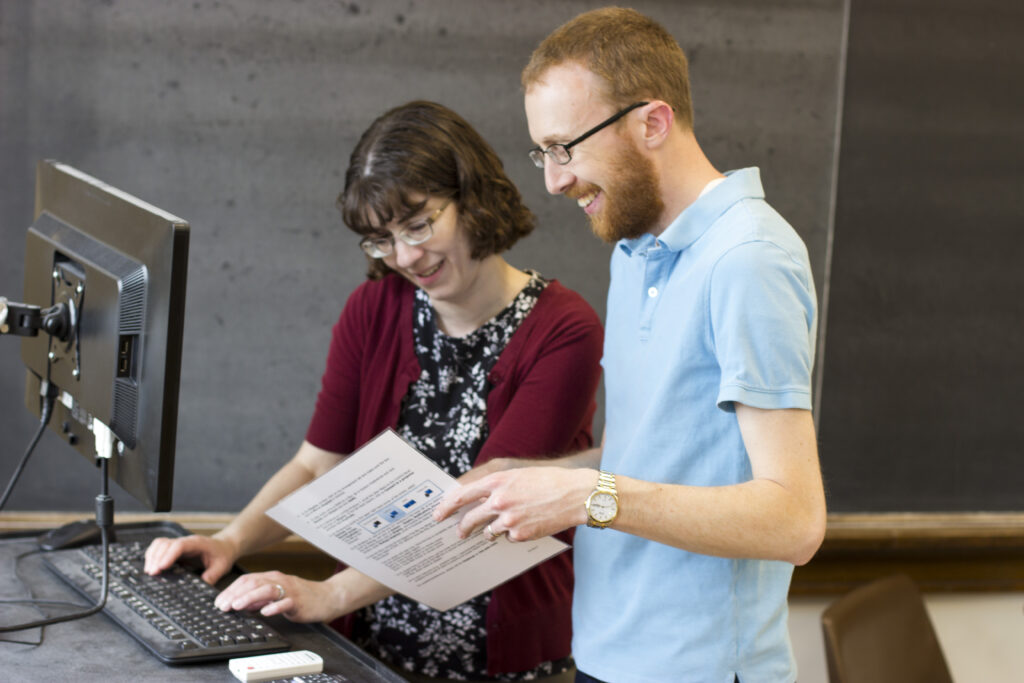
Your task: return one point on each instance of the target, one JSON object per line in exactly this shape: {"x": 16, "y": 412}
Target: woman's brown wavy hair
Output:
{"x": 421, "y": 150}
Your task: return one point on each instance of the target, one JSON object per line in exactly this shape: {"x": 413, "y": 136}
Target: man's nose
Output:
{"x": 557, "y": 178}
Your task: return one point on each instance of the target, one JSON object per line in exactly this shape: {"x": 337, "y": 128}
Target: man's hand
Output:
{"x": 525, "y": 502}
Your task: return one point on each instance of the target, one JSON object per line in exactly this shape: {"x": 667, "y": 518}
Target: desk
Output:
{"x": 96, "y": 649}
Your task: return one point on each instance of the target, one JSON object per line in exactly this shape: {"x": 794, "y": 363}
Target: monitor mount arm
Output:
{"x": 58, "y": 321}
{"x": 26, "y": 320}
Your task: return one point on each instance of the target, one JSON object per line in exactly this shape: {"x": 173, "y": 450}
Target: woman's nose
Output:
{"x": 406, "y": 254}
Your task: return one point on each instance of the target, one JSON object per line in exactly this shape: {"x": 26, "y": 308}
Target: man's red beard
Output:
{"x": 632, "y": 202}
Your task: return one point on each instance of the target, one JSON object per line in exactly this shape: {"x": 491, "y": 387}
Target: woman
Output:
{"x": 469, "y": 359}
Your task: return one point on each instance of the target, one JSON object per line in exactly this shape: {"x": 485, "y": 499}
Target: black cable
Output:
{"x": 77, "y": 615}
{"x": 31, "y": 599}
{"x": 49, "y": 398}
{"x": 37, "y": 602}
{"x": 104, "y": 503}
{"x": 49, "y": 393}
{"x": 104, "y": 518}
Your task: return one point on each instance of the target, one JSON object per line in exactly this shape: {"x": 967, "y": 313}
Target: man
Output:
{"x": 709, "y": 490}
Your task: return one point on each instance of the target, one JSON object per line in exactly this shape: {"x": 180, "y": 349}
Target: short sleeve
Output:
{"x": 763, "y": 327}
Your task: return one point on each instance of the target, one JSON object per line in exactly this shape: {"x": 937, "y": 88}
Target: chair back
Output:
{"x": 881, "y": 633}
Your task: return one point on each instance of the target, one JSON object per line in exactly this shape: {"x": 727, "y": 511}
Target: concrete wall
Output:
{"x": 239, "y": 116}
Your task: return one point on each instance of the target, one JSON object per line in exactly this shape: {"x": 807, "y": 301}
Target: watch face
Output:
{"x": 603, "y": 507}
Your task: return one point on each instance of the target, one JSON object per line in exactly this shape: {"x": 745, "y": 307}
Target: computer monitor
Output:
{"x": 115, "y": 266}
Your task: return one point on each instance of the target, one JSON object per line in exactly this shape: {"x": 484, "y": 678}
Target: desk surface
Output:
{"x": 96, "y": 649}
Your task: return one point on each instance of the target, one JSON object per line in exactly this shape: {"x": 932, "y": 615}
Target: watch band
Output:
{"x": 603, "y": 502}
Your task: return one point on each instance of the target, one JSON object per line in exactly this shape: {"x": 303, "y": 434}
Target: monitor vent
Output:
{"x": 126, "y": 410}
{"x": 133, "y": 302}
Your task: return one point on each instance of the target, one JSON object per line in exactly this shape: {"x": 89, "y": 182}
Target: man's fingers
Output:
{"x": 469, "y": 494}
{"x": 450, "y": 502}
{"x": 475, "y": 519}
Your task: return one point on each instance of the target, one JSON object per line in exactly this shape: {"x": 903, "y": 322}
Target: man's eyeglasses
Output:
{"x": 560, "y": 153}
{"x": 416, "y": 233}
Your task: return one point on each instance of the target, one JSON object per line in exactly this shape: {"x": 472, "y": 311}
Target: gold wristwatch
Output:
{"x": 603, "y": 502}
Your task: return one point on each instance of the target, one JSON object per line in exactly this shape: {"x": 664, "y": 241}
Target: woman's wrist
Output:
{"x": 229, "y": 543}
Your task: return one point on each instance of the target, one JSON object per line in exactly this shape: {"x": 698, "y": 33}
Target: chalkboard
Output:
{"x": 239, "y": 117}
{"x": 923, "y": 360}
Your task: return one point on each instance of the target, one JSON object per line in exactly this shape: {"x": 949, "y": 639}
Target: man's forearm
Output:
{"x": 756, "y": 519}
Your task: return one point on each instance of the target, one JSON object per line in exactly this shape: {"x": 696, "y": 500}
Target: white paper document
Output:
{"x": 373, "y": 512}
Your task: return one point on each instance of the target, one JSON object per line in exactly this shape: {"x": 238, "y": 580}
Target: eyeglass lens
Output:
{"x": 559, "y": 153}
{"x": 413, "y": 235}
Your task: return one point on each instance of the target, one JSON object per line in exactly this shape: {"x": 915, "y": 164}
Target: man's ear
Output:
{"x": 658, "y": 118}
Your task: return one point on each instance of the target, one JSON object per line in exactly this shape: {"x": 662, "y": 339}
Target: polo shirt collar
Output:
{"x": 695, "y": 219}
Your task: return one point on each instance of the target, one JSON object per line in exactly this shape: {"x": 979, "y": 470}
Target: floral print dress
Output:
{"x": 444, "y": 415}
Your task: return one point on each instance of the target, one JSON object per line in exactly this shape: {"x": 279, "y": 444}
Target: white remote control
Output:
{"x": 277, "y": 665}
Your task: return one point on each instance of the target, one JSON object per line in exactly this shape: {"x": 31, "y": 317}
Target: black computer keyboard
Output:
{"x": 173, "y": 614}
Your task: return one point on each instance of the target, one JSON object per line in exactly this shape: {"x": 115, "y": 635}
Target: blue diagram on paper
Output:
{"x": 399, "y": 508}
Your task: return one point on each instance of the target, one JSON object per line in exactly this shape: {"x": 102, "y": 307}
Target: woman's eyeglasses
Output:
{"x": 412, "y": 234}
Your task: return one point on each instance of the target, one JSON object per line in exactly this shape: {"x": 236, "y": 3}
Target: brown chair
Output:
{"x": 881, "y": 633}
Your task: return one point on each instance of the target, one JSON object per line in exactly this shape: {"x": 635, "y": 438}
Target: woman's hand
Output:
{"x": 274, "y": 592}
{"x": 217, "y": 555}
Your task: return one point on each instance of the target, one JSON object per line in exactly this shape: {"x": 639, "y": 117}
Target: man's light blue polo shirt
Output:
{"x": 719, "y": 308}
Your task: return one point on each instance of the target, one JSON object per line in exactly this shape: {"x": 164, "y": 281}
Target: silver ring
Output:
{"x": 280, "y": 591}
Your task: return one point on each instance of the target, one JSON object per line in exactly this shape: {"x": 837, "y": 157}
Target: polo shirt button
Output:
{"x": 652, "y": 292}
